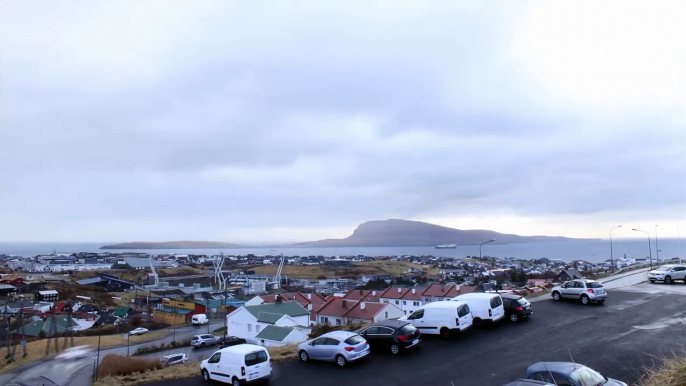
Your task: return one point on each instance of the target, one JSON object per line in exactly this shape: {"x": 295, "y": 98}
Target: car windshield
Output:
{"x": 408, "y": 329}
{"x": 355, "y": 339}
{"x": 664, "y": 268}
{"x": 587, "y": 377}
{"x": 594, "y": 285}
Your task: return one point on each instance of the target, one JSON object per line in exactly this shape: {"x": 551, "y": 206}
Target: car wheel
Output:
{"x": 556, "y": 296}
{"x": 585, "y": 300}
{"x": 340, "y": 360}
{"x": 202, "y": 345}
{"x": 236, "y": 382}
{"x": 514, "y": 318}
{"x": 395, "y": 350}
{"x": 303, "y": 356}
{"x": 445, "y": 333}
{"x": 668, "y": 280}
{"x": 206, "y": 376}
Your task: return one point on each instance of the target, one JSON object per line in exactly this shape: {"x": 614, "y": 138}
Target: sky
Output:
{"x": 294, "y": 121}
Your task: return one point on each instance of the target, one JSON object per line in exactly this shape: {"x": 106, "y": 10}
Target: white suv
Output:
{"x": 668, "y": 273}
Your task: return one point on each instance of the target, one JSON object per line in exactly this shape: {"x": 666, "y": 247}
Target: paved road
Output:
{"x": 617, "y": 339}
{"x": 79, "y": 373}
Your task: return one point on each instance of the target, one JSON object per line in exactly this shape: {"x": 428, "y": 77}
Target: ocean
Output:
{"x": 594, "y": 251}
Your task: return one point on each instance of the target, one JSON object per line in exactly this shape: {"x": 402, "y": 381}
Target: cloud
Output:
{"x": 127, "y": 120}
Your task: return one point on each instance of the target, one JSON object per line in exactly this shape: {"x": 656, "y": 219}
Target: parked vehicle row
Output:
{"x": 205, "y": 340}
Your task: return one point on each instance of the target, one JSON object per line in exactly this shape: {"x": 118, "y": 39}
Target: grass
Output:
{"x": 394, "y": 268}
{"x": 283, "y": 353}
{"x": 36, "y": 350}
{"x": 185, "y": 370}
{"x": 671, "y": 373}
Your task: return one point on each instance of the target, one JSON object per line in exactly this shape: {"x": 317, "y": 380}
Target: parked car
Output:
{"x": 516, "y": 307}
{"x": 392, "y": 336}
{"x": 486, "y": 307}
{"x": 442, "y": 318}
{"x": 138, "y": 331}
{"x": 581, "y": 289}
{"x": 199, "y": 319}
{"x": 202, "y": 341}
{"x": 237, "y": 365}
{"x": 228, "y": 341}
{"x": 668, "y": 273}
{"x": 569, "y": 373}
{"x": 173, "y": 359}
{"x": 341, "y": 347}
{"x": 529, "y": 382}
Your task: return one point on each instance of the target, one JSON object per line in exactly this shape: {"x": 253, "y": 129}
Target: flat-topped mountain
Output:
{"x": 404, "y": 233}
{"x": 171, "y": 245}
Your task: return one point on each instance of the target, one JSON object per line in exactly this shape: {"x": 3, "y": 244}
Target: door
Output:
{"x": 497, "y": 309}
{"x": 679, "y": 273}
{"x": 371, "y": 335}
{"x": 330, "y": 349}
{"x": 579, "y": 287}
{"x": 317, "y": 348}
{"x": 257, "y": 365}
{"x": 215, "y": 369}
{"x": 385, "y": 338}
{"x": 567, "y": 289}
{"x": 464, "y": 316}
{"x": 417, "y": 320}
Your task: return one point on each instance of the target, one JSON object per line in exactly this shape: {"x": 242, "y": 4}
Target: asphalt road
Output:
{"x": 618, "y": 339}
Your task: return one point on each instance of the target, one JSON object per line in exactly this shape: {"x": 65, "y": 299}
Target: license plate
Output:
{"x": 254, "y": 375}
{"x": 415, "y": 341}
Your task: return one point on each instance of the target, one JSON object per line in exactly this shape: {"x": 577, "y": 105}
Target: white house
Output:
{"x": 280, "y": 336}
{"x": 248, "y": 321}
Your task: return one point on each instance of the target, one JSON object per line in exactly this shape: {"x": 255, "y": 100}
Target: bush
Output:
{"x": 120, "y": 365}
{"x": 162, "y": 347}
{"x": 220, "y": 331}
{"x": 136, "y": 320}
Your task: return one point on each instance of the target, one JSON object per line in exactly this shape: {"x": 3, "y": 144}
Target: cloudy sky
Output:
{"x": 292, "y": 121}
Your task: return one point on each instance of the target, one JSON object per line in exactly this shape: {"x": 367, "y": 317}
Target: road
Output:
{"x": 617, "y": 339}
{"x": 79, "y": 373}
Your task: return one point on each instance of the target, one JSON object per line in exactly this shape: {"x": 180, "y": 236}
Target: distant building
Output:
{"x": 567, "y": 275}
{"x": 46, "y": 296}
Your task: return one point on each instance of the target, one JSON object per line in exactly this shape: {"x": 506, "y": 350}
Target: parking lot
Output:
{"x": 618, "y": 339}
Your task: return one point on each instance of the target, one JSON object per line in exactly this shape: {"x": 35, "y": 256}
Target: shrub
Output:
{"x": 136, "y": 320}
{"x": 220, "y": 331}
{"x": 120, "y": 365}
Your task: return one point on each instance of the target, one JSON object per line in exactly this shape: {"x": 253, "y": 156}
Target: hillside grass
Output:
{"x": 380, "y": 267}
{"x": 671, "y": 373}
{"x": 36, "y": 350}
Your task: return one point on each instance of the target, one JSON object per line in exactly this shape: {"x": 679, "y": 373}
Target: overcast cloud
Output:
{"x": 237, "y": 121}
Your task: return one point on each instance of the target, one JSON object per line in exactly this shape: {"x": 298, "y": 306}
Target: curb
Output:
{"x": 622, "y": 277}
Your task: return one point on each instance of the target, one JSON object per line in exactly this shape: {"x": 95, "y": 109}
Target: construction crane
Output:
{"x": 218, "y": 274}
{"x": 277, "y": 277}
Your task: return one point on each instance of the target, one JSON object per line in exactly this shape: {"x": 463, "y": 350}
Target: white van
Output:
{"x": 199, "y": 319}
{"x": 484, "y": 306}
{"x": 237, "y": 365}
{"x": 441, "y": 318}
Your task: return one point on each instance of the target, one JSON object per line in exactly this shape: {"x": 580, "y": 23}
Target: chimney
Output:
{"x": 309, "y": 296}
{"x": 276, "y": 297}
{"x": 309, "y": 307}
{"x": 362, "y": 305}
{"x": 414, "y": 290}
{"x": 373, "y": 293}
{"x": 398, "y": 289}
{"x": 344, "y": 303}
{"x": 361, "y": 292}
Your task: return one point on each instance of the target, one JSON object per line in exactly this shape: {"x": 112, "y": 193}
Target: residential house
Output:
{"x": 7, "y": 290}
{"x": 393, "y": 295}
{"x": 363, "y": 295}
{"x": 248, "y": 321}
{"x": 273, "y": 335}
{"x": 108, "y": 282}
{"x": 567, "y": 275}
{"x": 47, "y": 296}
{"x": 412, "y": 300}
{"x": 341, "y": 311}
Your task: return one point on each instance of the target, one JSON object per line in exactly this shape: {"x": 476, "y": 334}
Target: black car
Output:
{"x": 392, "y": 335}
{"x": 516, "y": 307}
{"x": 228, "y": 341}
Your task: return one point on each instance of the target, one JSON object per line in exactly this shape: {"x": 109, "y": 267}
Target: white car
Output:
{"x": 668, "y": 273}
{"x": 138, "y": 331}
{"x": 75, "y": 353}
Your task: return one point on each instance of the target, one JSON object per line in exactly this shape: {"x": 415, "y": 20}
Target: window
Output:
{"x": 255, "y": 358}
{"x": 408, "y": 329}
{"x": 543, "y": 377}
{"x": 325, "y": 320}
{"x": 677, "y": 269}
{"x": 416, "y": 304}
{"x": 598, "y": 285}
{"x": 462, "y": 311}
{"x": 578, "y": 284}
{"x": 249, "y": 327}
{"x": 353, "y": 340}
{"x": 372, "y": 330}
{"x": 385, "y": 331}
{"x": 338, "y": 322}
{"x": 416, "y": 315}
{"x": 404, "y": 303}
{"x": 496, "y": 302}
{"x": 319, "y": 342}
{"x": 397, "y": 302}
{"x": 331, "y": 342}
{"x": 386, "y": 315}
{"x": 215, "y": 358}
{"x": 440, "y": 299}
{"x": 257, "y": 328}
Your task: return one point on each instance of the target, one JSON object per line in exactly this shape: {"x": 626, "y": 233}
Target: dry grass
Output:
{"x": 113, "y": 365}
{"x": 36, "y": 350}
{"x": 671, "y": 373}
{"x": 283, "y": 353}
{"x": 182, "y": 271}
{"x": 185, "y": 370}
{"x": 381, "y": 267}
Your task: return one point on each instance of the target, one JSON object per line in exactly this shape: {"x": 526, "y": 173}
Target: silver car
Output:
{"x": 668, "y": 273}
{"x": 202, "y": 341}
{"x": 582, "y": 289}
{"x": 341, "y": 347}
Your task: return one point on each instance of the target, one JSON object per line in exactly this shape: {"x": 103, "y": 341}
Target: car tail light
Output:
{"x": 349, "y": 348}
{"x": 242, "y": 370}
{"x": 518, "y": 308}
{"x": 590, "y": 291}
{"x": 403, "y": 337}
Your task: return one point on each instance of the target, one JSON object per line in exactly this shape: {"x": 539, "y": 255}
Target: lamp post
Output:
{"x": 207, "y": 312}
{"x": 650, "y": 250}
{"x": 657, "y": 249}
{"x": 612, "y": 258}
{"x": 485, "y": 242}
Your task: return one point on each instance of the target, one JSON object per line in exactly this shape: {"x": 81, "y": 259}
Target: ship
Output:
{"x": 446, "y": 246}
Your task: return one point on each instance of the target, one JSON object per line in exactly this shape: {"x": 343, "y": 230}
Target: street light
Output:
{"x": 650, "y": 250}
{"x": 612, "y": 258}
{"x": 657, "y": 250}
{"x": 485, "y": 242}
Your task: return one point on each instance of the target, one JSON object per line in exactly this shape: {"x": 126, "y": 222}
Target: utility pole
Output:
{"x": 657, "y": 249}
{"x": 612, "y": 259}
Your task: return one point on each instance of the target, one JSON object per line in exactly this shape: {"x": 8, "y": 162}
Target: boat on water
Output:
{"x": 446, "y": 246}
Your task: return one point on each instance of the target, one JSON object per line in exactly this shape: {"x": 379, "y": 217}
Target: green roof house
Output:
{"x": 274, "y": 324}
{"x": 281, "y": 336}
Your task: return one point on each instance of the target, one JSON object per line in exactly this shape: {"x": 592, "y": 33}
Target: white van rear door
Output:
{"x": 497, "y": 309}
{"x": 257, "y": 365}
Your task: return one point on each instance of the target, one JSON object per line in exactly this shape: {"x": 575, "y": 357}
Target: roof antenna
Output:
{"x": 570, "y": 356}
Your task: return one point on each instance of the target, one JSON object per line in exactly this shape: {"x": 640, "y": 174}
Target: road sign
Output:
{"x": 94, "y": 355}
{"x": 126, "y": 336}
